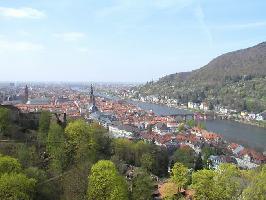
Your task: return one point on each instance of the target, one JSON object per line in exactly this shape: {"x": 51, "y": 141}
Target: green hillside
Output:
{"x": 236, "y": 79}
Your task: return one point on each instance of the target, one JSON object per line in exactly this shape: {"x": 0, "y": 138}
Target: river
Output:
{"x": 247, "y": 135}
{"x": 244, "y": 134}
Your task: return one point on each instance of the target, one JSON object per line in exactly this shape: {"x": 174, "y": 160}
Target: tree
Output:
{"x": 123, "y": 148}
{"x": 44, "y": 190}
{"x": 4, "y": 121}
{"x": 207, "y": 152}
{"x": 27, "y": 155}
{"x": 169, "y": 190}
{"x": 142, "y": 186}
{"x": 222, "y": 184}
{"x": 211, "y": 106}
{"x": 203, "y": 182}
{"x": 161, "y": 161}
{"x": 147, "y": 161}
{"x": 257, "y": 188}
{"x": 81, "y": 146}
{"x": 105, "y": 183}
{"x": 56, "y": 147}
{"x": 181, "y": 127}
{"x": 245, "y": 107}
{"x": 9, "y": 165}
{"x": 44, "y": 124}
{"x": 139, "y": 149}
{"x": 74, "y": 183}
{"x": 102, "y": 141}
{"x": 76, "y": 130}
{"x": 228, "y": 179}
{"x": 16, "y": 187}
{"x": 185, "y": 155}
{"x": 191, "y": 123}
{"x": 179, "y": 175}
{"x": 198, "y": 163}
{"x": 202, "y": 125}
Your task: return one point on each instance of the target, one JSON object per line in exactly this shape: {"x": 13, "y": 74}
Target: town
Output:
{"x": 125, "y": 120}
{"x": 215, "y": 111}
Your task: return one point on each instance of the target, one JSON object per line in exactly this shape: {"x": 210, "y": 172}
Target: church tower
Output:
{"x": 92, "y": 98}
{"x": 92, "y": 106}
{"x": 26, "y": 94}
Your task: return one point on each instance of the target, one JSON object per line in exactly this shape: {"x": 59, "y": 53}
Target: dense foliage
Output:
{"x": 142, "y": 186}
{"x": 105, "y": 183}
{"x": 81, "y": 162}
{"x": 13, "y": 183}
{"x": 4, "y": 121}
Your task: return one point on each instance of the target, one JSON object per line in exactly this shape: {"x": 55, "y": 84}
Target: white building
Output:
{"x": 204, "y": 106}
{"x": 119, "y": 132}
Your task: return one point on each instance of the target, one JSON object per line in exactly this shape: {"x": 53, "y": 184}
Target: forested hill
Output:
{"x": 235, "y": 76}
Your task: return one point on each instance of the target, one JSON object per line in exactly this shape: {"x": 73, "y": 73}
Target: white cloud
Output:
{"x": 200, "y": 16}
{"x": 70, "y": 36}
{"x": 24, "y": 12}
{"x": 7, "y": 45}
{"x": 241, "y": 26}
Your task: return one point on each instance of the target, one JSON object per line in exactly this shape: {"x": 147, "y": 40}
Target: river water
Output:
{"x": 247, "y": 135}
{"x": 244, "y": 134}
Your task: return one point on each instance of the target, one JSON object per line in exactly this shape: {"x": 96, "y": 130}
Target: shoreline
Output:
{"x": 225, "y": 137}
{"x": 250, "y": 123}
{"x": 257, "y": 124}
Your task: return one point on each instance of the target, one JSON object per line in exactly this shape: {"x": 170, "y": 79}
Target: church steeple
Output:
{"x": 92, "y": 98}
{"x": 93, "y": 108}
{"x": 26, "y": 94}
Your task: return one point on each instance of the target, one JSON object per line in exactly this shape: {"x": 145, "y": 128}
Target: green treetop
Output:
{"x": 16, "y": 187}
{"x": 105, "y": 183}
{"x": 9, "y": 165}
{"x": 179, "y": 175}
{"x": 142, "y": 186}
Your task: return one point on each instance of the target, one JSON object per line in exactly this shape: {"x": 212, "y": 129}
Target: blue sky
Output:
{"x": 121, "y": 40}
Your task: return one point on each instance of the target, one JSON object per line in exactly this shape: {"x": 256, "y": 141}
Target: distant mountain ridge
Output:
{"x": 250, "y": 61}
{"x": 218, "y": 76}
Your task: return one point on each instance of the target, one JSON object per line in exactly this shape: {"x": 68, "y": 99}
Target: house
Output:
{"x": 261, "y": 116}
{"x": 248, "y": 158}
{"x": 190, "y": 105}
{"x": 244, "y": 113}
{"x": 181, "y": 138}
{"x": 121, "y": 131}
{"x": 39, "y": 101}
{"x": 235, "y": 148}
{"x": 252, "y": 116}
{"x": 172, "y": 126}
{"x": 224, "y": 110}
{"x": 204, "y": 106}
{"x": 208, "y": 136}
{"x": 196, "y": 131}
{"x": 161, "y": 128}
{"x": 215, "y": 161}
{"x": 163, "y": 139}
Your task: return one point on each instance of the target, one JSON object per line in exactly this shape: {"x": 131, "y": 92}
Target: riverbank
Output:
{"x": 257, "y": 124}
{"x": 260, "y": 124}
{"x": 244, "y": 134}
